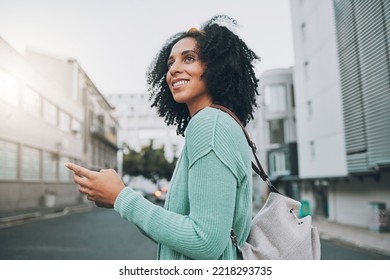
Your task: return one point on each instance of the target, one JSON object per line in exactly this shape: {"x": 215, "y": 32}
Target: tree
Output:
{"x": 149, "y": 162}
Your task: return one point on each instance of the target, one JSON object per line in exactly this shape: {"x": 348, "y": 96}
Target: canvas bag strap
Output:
{"x": 255, "y": 166}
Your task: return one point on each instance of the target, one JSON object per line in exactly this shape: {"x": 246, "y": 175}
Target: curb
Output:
{"x": 20, "y": 217}
{"x": 40, "y": 215}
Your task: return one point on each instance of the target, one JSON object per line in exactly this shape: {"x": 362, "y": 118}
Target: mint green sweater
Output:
{"x": 210, "y": 192}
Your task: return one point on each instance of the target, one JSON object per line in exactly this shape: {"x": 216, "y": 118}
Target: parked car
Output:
{"x": 144, "y": 186}
{"x": 161, "y": 194}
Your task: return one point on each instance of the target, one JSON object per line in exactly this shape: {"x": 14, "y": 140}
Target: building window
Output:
{"x": 9, "y": 89}
{"x": 278, "y": 163}
{"x": 50, "y": 165}
{"x": 76, "y": 127}
{"x": 303, "y": 31}
{"x": 102, "y": 155}
{"x": 275, "y": 98}
{"x": 312, "y": 150}
{"x": 276, "y": 131}
{"x": 8, "y": 160}
{"x": 31, "y": 102}
{"x": 90, "y": 153}
{"x": 292, "y": 97}
{"x": 30, "y": 164}
{"x": 309, "y": 109}
{"x": 101, "y": 123}
{"x": 95, "y": 154}
{"x": 64, "y": 173}
{"x": 64, "y": 121}
{"x": 79, "y": 82}
{"x": 50, "y": 113}
{"x": 306, "y": 69}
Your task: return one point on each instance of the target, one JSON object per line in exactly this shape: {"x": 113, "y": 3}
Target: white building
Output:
{"x": 274, "y": 133}
{"x": 46, "y": 108}
{"x": 139, "y": 124}
{"x": 342, "y": 88}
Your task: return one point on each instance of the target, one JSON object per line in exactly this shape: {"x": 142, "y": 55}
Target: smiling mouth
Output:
{"x": 179, "y": 83}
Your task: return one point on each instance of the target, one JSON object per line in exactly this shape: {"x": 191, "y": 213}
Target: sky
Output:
{"x": 115, "y": 41}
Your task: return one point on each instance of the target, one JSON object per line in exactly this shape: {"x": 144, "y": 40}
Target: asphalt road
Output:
{"x": 101, "y": 234}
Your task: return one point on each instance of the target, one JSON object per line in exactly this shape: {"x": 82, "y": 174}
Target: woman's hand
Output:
{"x": 102, "y": 187}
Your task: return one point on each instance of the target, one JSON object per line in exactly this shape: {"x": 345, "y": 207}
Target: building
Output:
{"x": 50, "y": 113}
{"x": 342, "y": 96}
{"x": 99, "y": 128}
{"x": 139, "y": 124}
{"x": 274, "y": 132}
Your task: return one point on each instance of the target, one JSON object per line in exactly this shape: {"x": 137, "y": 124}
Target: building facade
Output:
{"x": 45, "y": 122}
{"x": 274, "y": 132}
{"x": 342, "y": 87}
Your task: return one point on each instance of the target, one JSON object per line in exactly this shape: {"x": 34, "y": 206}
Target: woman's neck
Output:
{"x": 198, "y": 106}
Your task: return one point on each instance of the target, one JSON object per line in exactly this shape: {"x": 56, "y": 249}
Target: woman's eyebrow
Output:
{"x": 184, "y": 53}
{"x": 188, "y": 51}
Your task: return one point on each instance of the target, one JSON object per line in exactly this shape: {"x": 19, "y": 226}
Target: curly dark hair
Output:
{"x": 229, "y": 75}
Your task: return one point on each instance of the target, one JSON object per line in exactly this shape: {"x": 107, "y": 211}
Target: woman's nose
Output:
{"x": 175, "y": 68}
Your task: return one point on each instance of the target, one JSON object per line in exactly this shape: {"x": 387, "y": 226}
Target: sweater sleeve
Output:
{"x": 204, "y": 233}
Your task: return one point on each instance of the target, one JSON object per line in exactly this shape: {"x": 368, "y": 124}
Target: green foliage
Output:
{"x": 149, "y": 162}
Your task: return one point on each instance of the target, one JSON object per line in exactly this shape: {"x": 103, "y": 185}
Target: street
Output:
{"x": 101, "y": 234}
{"x": 336, "y": 250}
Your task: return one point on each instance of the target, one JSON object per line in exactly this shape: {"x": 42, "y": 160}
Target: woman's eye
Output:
{"x": 169, "y": 64}
{"x": 189, "y": 58}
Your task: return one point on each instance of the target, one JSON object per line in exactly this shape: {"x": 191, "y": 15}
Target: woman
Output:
{"x": 210, "y": 191}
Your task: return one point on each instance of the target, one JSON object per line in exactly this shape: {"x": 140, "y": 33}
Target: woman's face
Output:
{"x": 184, "y": 76}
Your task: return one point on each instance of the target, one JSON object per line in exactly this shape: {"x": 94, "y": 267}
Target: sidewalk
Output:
{"x": 378, "y": 242}
{"x": 12, "y": 218}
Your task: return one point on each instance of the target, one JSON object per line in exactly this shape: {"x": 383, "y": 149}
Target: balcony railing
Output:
{"x": 106, "y": 134}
